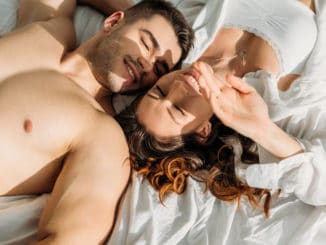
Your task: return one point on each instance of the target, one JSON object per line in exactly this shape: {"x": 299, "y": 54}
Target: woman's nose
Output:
{"x": 178, "y": 89}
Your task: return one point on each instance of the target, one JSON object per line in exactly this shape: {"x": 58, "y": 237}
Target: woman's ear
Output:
{"x": 204, "y": 131}
{"x": 113, "y": 20}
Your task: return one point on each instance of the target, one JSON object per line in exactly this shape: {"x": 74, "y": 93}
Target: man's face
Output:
{"x": 135, "y": 55}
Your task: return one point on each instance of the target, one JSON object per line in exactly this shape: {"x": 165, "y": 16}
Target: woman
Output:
{"x": 177, "y": 129}
{"x": 259, "y": 35}
{"x": 172, "y": 133}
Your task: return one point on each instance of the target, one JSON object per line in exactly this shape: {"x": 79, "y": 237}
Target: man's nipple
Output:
{"x": 28, "y": 126}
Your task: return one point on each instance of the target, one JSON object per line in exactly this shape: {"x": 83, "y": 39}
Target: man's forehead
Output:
{"x": 167, "y": 39}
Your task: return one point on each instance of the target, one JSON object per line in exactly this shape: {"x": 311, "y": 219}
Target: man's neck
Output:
{"x": 76, "y": 66}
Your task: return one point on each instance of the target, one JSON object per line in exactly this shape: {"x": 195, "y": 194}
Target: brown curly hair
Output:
{"x": 167, "y": 165}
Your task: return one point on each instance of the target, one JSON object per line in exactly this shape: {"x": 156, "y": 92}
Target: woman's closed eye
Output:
{"x": 162, "y": 94}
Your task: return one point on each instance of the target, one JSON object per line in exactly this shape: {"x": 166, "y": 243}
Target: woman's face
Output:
{"x": 175, "y": 106}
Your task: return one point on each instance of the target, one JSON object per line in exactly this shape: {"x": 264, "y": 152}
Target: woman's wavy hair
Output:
{"x": 167, "y": 164}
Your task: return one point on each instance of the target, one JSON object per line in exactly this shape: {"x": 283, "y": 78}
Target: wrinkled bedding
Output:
{"x": 195, "y": 217}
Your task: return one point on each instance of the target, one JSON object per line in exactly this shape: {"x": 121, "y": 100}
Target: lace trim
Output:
{"x": 265, "y": 38}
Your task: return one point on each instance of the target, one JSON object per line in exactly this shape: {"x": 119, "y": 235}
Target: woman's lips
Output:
{"x": 191, "y": 77}
{"x": 192, "y": 82}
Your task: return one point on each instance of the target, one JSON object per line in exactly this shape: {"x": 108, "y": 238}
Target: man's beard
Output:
{"x": 104, "y": 57}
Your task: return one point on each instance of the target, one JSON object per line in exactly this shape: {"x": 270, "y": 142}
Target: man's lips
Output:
{"x": 132, "y": 70}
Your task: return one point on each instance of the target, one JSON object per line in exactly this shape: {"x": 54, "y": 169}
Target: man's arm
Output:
{"x": 82, "y": 205}
{"x": 108, "y": 6}
{"x": 39, "y": 45}
{"x": 42, "y": 10}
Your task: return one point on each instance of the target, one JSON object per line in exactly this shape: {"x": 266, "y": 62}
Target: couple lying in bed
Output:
{"x": 74, "y": 163}
{"x": 200, "y": 118}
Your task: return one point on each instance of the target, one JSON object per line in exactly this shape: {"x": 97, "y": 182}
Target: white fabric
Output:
{"x": 193, "y": 218}
{"x": 301, "y": 112}
{"x": 281, "y": 23}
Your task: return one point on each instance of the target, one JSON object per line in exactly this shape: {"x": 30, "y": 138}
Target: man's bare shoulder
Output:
{"x": 45, "y": 116}
{"x": 55, "y": 102}
{"x": 40, "y": 45}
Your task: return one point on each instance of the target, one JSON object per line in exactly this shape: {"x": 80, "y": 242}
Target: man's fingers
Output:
{"x": 239, "y": 84}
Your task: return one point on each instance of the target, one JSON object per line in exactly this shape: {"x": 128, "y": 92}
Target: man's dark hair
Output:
{"x": 147, "y": 8}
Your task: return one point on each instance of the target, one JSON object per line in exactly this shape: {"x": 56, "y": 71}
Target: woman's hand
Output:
{"x": 234, "y": 102}
{"x": 240, "y": 107}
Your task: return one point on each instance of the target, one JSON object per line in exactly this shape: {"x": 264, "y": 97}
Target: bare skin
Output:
{"x": 75, "y": 153}
{"x": 45, "y": 39}
{"x": 224, "y": 54}
{"x": 259, "y": 55}
{"x": 54, "y": 101}
{"x": 108, "y": 6}
{"x": 186, "y": 100}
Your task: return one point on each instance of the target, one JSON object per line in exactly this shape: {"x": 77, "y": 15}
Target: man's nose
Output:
{"x": 147, "y": 64}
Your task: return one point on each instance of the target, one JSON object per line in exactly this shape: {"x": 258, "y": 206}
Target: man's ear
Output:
{"x": 113, "y": 20}
{"x": 204, "y": 131}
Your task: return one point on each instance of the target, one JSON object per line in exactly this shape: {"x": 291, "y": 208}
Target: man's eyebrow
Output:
{"x": 157, "y": 46}
{"x": 152, "y": 38}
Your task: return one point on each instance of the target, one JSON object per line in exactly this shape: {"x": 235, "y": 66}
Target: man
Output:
{"x": 127, "y": 55}
{"x": 55, "y": 137}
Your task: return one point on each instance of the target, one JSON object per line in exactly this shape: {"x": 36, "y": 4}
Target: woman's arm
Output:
{"x": 276, "y": 141}
{"x": 298, "y": 168}
{"x": 246, "y": 112}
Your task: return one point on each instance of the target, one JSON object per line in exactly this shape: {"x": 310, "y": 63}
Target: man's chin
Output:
{"x": 115, "y": 84}
{"x": 119, "y": 85}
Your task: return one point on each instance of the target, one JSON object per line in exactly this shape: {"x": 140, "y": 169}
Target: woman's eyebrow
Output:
{"x": 160, "y": 90}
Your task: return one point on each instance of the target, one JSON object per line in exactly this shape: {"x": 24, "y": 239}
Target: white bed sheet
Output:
{"x": 192, "y": 218}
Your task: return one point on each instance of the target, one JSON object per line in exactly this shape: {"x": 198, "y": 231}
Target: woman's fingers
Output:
{"x": 207, "y": 81}
{"x": 239, "y": 84}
